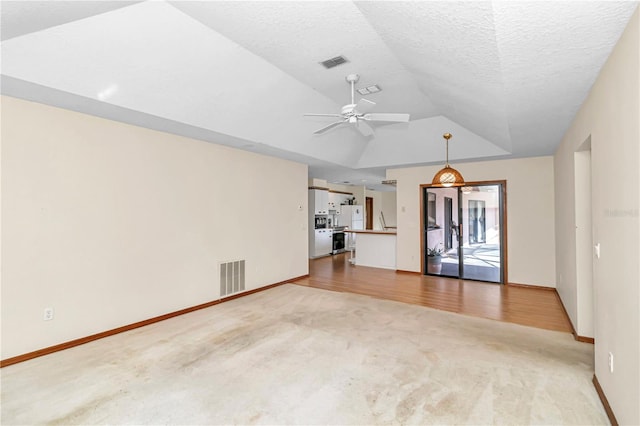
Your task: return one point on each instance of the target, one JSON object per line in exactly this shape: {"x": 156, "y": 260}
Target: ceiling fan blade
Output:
{"x": 364, "y": 106}
{"x": 398, "y": 118}
{"x": 321, "y": 115}
{"x": 329, "y": 127}
{"x": 364, "y": 128}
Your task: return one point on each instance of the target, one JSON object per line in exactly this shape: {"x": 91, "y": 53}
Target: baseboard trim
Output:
{"x": 537, "y": 287}
{"x": 402, "y": 271}
{"x": 81, "y": 341}
{"x": 576, "y": 336}
{"x": 584, "y": 339}
{"x": 566, "y": 315}
{"x": 605, "y": 402}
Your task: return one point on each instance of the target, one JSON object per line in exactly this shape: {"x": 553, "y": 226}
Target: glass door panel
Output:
{"x": 463, "y": 232}
{"x": 481, "y": 237}
{"x": 441, "y": 232}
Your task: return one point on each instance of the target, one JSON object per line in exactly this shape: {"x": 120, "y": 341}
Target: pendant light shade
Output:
{"x": 448, "y": 176}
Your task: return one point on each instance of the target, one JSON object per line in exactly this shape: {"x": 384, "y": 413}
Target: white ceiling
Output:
{"x": 505, "y": 78}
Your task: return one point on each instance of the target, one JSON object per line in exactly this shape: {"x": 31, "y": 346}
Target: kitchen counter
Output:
{"x": 375, "y": 248}
{"x": 370, "y": 231}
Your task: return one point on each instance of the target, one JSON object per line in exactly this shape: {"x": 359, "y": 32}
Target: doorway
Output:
{"x": 368, "y": 208}
{"x": 464, "y": 231}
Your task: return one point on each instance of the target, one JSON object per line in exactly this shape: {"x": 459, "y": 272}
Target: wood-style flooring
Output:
{"x": 534, "y": 307}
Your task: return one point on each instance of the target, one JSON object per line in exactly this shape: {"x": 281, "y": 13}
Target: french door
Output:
{"x": 464, "y": 231}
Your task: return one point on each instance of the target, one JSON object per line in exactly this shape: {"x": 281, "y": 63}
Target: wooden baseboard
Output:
{"x": 402, "y": 271}
{"x": 97, "y": 336}
{"x": 584, "y": 339}
{"x": 538, "y": 287}
{"x": 605, "y": 402}
{"x": 576, "y": 336}
{"x": 566, "y": 315}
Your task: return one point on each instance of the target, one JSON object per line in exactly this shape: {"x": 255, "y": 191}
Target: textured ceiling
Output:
{"x": 505, "y": 78}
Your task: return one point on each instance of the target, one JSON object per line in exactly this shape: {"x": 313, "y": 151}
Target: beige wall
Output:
{"x": 377, "y": 207}
{"x": 530, "y": 233}
{"x": 610, "y": 116}
{"x": 389, "y": 207}
{"x": 110, "y": 224}
{"x": 383, "y": 201}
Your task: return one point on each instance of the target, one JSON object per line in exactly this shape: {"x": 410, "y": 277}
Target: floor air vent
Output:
{"x": 231, "y": 277}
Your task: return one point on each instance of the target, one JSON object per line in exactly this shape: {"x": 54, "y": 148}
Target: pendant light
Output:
{"x": 448, "y": 176}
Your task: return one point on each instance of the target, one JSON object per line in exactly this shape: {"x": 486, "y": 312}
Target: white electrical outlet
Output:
{"x": 48, "y": 314}
{"x": 610, "y": 362}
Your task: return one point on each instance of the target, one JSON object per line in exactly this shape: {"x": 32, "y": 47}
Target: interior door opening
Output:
{"x": 369, "y": 212}
{"x": 464, "y": 231}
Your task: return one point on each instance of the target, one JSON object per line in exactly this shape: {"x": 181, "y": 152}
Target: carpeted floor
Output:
{"x": 298, "y": 355}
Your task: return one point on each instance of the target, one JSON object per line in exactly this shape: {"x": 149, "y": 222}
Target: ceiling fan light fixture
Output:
{"x": 358, "y": 113}
{"x": 447, "y": 176}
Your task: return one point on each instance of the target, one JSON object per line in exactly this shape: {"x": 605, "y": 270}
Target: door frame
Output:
{"x": 503, "y": 224}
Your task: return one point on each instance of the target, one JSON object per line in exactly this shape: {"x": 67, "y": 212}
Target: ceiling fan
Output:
{"x": 358, "y": 113}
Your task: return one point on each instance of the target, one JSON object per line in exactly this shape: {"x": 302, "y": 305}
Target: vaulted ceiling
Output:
{"x": 505, "y": 78}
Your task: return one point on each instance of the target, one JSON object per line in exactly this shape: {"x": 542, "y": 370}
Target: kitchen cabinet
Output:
{"x": 323, "y": 243}
{"x": 333, "y": 202}
{"x": 319, "y": 201}
{"x": 336, "y": 199}
{"x": 320, "y": 235}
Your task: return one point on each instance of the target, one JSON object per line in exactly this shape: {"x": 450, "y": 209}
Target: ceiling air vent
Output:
{"x": 392, "y": 182}
{"x": 334, "y": 62}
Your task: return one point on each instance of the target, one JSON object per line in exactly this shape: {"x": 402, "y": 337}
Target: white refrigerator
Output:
{"x": 352, "y": 216}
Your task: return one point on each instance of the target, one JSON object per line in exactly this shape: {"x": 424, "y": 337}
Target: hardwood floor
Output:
{"x": 535, "y": 307}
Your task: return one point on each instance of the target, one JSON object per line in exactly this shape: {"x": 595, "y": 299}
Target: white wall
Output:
{"x": 530, "y": 209}
{"x": 610, "y": 116}
{"x": 583, "y": 319}
{"x": 110, "y": 224}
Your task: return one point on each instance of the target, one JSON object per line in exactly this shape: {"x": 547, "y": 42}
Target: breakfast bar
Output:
{"x": 376, "y": 249}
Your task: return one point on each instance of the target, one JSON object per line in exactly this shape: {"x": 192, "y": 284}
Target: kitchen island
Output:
{"x": 376, "y": 249}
